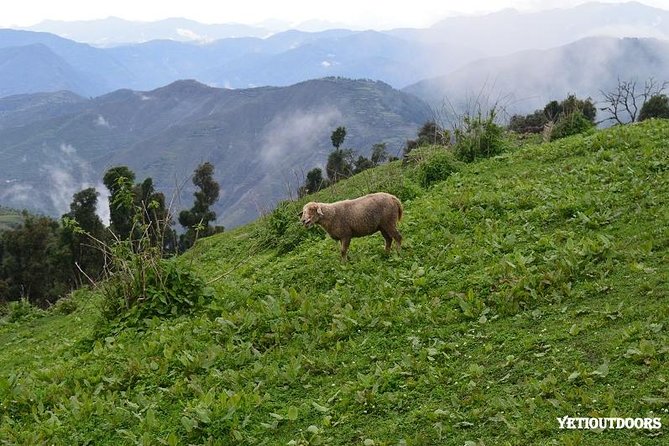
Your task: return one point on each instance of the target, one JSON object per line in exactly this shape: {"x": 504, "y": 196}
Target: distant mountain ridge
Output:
{"x": 508, "y": 31}
{"x": 529, "y": 79}
{"x": 115, "y": 31}
{"x": 399, "y": 57}
{"x": 261, "y": 141}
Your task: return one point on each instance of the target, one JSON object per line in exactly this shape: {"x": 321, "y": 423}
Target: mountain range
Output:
{"x": 114, "y": 31}
{"x": 399, "y": 57}
{"x": 527, "y": 80}
{"x": 261, "y": 140}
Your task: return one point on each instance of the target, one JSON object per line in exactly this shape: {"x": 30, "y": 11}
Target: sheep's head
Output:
{"x": 311, "y": 214}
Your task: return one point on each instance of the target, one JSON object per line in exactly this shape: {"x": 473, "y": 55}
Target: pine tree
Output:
{"x": 338, "y": 137}
{"x": 196, "y": 220}
{"x": 119, "y": 181}
{"x": 87, "y": 254}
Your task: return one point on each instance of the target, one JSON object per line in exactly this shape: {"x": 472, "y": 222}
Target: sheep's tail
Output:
{"x": 400, "y": 211}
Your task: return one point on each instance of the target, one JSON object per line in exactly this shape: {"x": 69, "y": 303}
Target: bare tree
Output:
{"x": 626, "y": 100}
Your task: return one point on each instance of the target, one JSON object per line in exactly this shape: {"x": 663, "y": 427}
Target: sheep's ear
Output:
{"x": 299, "y": 214}
{"x": 319, "y": 210}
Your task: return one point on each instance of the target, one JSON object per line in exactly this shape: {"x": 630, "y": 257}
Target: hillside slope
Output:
{"x": 93, "y": 70}
{"x": 531, "y": 286}
{"x": 35, "y": 68}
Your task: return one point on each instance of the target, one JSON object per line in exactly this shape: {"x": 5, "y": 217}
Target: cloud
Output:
{"x": 100, "y": 121}
{"x": 66, "y": 174}
{"x": 192, "y": 35}
{"x": 297, "y": 133}
{"x": 17, "y": 194}
{"x": 68, "y": 149}
{"x": 628, "y": 30}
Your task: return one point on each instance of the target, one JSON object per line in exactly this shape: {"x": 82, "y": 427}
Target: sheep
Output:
{"x": 362, "y": 216}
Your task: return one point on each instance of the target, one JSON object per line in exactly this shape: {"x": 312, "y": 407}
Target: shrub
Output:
{"x": 552, "y": 112}
{"x": 532, "y": 123}
{"x": 436, "y": 168}
{"x": 430, "y": 134}
{"x": 479, "y": 137}
{"x": 281, "y": 229}
{"x": 145, "y": 286}
{"x": 22, "y": 310}
{"x": 655, "y": 107}
{"x": 139, "y": 282}
{"x": 405, "y": 190}
{"x": 66, "y": 305}
{"x": 571, "y": 124}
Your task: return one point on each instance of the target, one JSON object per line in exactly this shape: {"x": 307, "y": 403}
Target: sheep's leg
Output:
{"x": 389, "y": 239}
{"x": 344, "y": 248}
{"x": 395, "y": 234}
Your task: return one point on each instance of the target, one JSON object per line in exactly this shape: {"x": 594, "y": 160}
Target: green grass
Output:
{"x": 9, "y": 218}
{"x": 531, "y": 286}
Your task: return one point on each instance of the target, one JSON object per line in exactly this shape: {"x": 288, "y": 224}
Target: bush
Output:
{"x": 656, "y": 107}
{"x": 436, "y": 168}
{"x": 146, "y": 286}
{"x": 65, "y": 305}
{"x": 430, "y": 134}
{"x": 405, "y": 190}
{"x": 281, "y": 229}
{"x": 22, "y": 310}
{"x": 532, "y": 123}
{"x": 571, "y": 124}
{"x": 479, "y": 137}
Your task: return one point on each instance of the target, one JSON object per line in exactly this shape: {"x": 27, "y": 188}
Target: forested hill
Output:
{"x": 532, "y": 285}
{"x": 260, "y": 140}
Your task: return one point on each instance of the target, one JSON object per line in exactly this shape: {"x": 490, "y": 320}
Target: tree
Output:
{"x": 338, "y": 137}
{"x": 119, "y": 181}
{"x": 656, "y": 106}
{"x": 339, "y": 165}
{"x": 155, "y": 215}
{"x": 361, "y": 164}
{"x": 35, "y": 264}
{"x": 430, "y": 133}
{"x": 197, "y": 219}
{"x": 572, "y": 104}
{"x": 570, "y": 124}
{"x": 532, "y": 123}
{"x": 568, "y": 115}
{"x": 625, "y": 102}
{"x": 379, "y": 153}
{"x": 88, "y": 256}
{"x": 313, "y": 183}
{"x": 554, "y": 110}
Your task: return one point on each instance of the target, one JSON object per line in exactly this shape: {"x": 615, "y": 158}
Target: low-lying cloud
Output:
{"x": 297, "y": 133}
{"x": 100, "y": 121}
{"x": 62, "y": 174}
{"x": 69, "y": 174}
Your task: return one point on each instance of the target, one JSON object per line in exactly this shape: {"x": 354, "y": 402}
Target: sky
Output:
{"x": 375, "y": 14}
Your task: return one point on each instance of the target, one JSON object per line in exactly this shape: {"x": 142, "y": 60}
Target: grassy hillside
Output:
{"x": 531, "y": 286}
